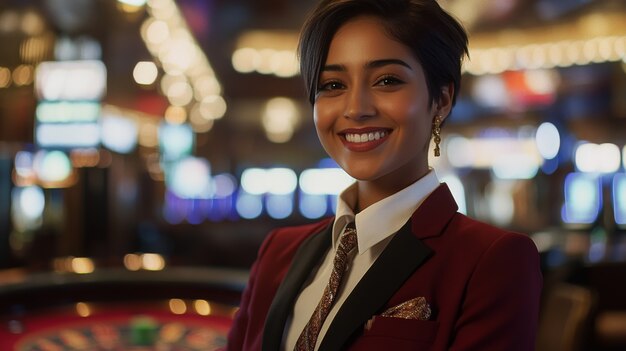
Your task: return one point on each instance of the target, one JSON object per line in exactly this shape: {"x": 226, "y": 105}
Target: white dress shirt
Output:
{"x": 375, "y": 227}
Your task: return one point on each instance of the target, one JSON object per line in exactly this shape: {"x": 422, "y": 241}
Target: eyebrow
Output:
{"x": 370, "y": 64}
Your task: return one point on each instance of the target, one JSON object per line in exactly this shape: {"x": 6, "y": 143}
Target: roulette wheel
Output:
{"x": 172, "y": 310}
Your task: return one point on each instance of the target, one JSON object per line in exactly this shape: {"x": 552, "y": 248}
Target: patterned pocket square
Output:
{"x": 416, "y": 308}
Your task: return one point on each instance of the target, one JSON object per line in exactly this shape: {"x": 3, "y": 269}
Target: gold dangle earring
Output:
{"x": 437, "y": 134}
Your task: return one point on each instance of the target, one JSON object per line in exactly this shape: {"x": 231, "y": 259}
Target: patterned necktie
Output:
{"x": 308, "y": 337}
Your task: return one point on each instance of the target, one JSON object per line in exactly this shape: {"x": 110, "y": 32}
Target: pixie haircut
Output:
{"x": 436, "y": 39}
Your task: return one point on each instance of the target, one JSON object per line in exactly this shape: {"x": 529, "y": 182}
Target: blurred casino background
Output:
{"x": 148, "y": 146}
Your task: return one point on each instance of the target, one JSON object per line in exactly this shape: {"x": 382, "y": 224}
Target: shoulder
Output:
{"x": 466, "y": 230}
{"x": 476, "y": 242}
{"x": 489, "y": 256}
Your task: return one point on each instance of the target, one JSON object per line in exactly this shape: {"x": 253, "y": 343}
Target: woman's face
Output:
{"x": 371, "y": 113}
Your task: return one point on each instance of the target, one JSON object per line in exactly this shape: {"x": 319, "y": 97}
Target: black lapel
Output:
{"x": 397, "y": 262}
{"x": 306, "y": 258}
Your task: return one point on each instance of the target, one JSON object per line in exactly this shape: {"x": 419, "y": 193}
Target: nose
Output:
{"x": 359, "y": 104}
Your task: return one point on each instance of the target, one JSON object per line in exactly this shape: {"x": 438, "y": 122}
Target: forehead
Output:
{"x": 365, "y": 38}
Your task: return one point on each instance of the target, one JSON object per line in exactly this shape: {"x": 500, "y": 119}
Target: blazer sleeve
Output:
{"x": 237, "y": 334}
{"x": 500, "y": 311}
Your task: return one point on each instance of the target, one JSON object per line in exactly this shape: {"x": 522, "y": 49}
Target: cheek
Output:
{"x": 408, "y": 112}
{"x": 322, "y": 117}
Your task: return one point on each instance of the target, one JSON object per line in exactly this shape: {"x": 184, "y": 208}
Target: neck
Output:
{"x": 371, "y": 191}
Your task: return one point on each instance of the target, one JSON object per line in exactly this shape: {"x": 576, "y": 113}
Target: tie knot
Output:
{"x": 348, "y": 239}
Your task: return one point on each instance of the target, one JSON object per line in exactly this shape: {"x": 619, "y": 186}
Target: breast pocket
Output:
{"x": 397, "y": 334}
{"x": 401, "y": 328}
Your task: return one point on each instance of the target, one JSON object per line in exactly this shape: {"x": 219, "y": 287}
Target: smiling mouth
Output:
{"x": 365, "y": 137}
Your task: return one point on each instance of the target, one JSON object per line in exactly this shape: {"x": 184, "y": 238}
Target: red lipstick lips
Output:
{"x": 364, "y": 139}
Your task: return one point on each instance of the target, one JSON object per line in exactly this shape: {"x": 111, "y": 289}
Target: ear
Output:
{"x": 444, "y": 105}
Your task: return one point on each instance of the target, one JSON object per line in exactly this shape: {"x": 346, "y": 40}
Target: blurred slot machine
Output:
{"x": 497, "y": 169}
{"x": 580, "y": 214}
{"x": 68, "y": 111}
{"x": 66, "y": 134}
{"x": 591, "y": 209}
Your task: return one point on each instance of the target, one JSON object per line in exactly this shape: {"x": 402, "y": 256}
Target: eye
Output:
{"x": 389, "y": 80}
{"x": 331, "y": 85}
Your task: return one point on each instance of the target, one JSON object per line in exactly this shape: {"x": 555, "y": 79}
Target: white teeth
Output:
{"x": 365, "y": 137}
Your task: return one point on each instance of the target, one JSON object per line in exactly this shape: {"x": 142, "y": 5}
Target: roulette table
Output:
{"x": 172, "y": 310}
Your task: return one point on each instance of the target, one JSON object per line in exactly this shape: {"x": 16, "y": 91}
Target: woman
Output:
{"x": 382, "y": 76}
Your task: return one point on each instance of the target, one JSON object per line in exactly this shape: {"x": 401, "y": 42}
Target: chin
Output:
{"x": 361, "y": 169}
{"x": 361, "y": 174}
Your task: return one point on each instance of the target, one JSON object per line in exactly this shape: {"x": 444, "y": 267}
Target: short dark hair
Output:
{"x": 437, "y": 40}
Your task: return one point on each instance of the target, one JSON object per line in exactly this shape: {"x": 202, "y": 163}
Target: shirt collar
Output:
{"x": 385, "y": 217}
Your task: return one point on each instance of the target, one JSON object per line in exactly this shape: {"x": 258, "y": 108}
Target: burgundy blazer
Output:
{"x": 483, "y": 285}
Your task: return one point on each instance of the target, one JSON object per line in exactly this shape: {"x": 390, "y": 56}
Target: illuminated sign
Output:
{"x": 71, "y": 80}
{"x": 67, "y": 111}
{"x": 73, "y": 135}
{"x": 583, "y": 198}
